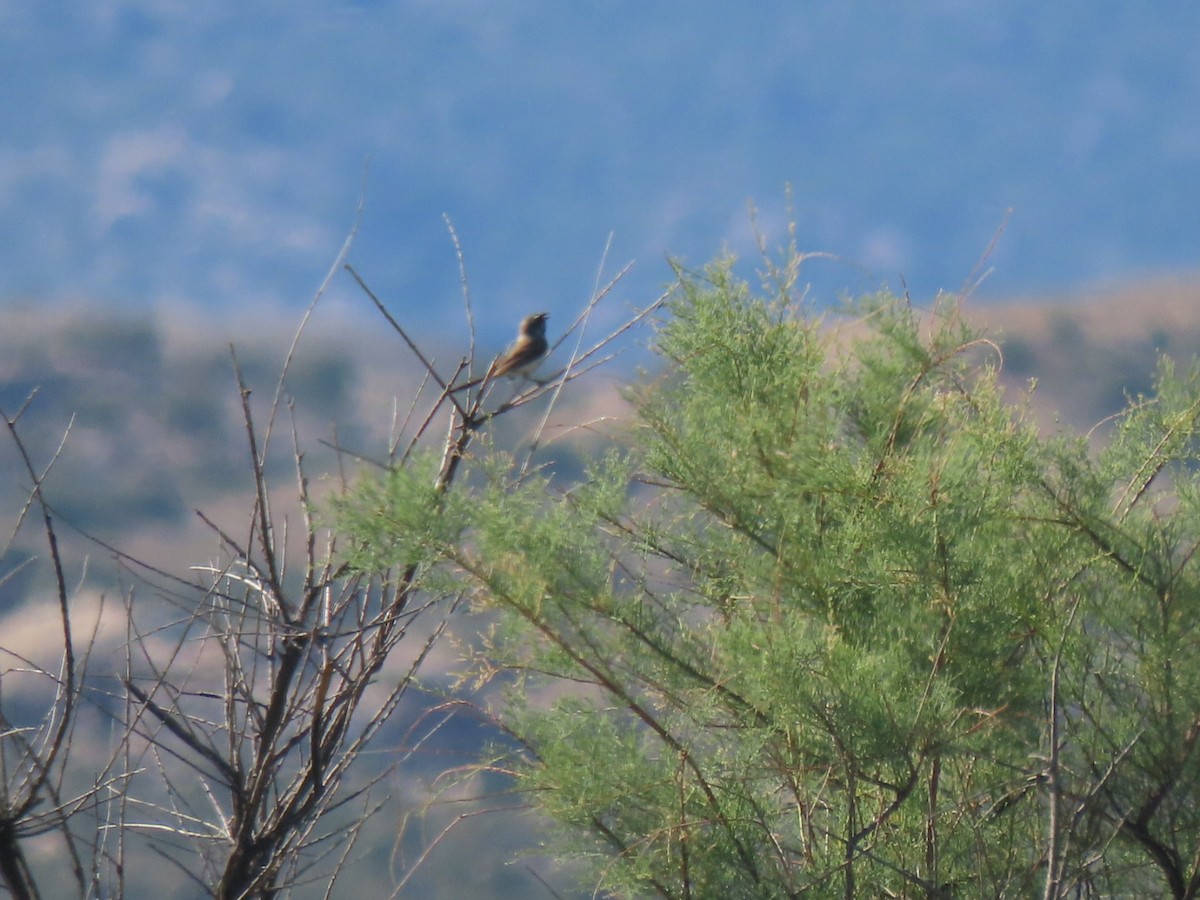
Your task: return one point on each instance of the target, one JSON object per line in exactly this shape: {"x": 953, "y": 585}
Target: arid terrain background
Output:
{"x": 154, "y": 432}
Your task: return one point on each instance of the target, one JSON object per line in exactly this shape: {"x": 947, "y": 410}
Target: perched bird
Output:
{"x": 522, "y": 356}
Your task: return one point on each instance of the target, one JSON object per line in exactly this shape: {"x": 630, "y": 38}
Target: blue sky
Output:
{"x": 212, "y": 153}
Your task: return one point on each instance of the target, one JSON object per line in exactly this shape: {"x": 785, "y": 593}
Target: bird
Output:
{"x": 522, "y": 355}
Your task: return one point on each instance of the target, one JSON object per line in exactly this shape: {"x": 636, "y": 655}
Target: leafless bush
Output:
{"x": 39, "y": 703}
{"x": 250, "y": 690}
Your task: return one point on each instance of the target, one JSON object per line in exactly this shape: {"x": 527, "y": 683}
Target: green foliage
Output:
{"x": 400, "y": 520}
{"x": 840, "y": 623}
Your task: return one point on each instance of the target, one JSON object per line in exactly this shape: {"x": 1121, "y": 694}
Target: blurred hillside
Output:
{"x": 155, "y": 422}
{"x": 228, "y": 147}
{"x": 1088, "y": 353}
{"x": 153, "y": 416}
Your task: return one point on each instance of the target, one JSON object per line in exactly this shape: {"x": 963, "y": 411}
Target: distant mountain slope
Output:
{"x": 1089, "y": 352}
{"x": 215, "y": 151}
{"x": 157, "y": 425}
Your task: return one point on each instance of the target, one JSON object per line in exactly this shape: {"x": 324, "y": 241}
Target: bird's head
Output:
{"x": 535, "y": 325}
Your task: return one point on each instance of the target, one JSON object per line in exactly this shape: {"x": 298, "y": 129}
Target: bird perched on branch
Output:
{"x": 522, "y": 356}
